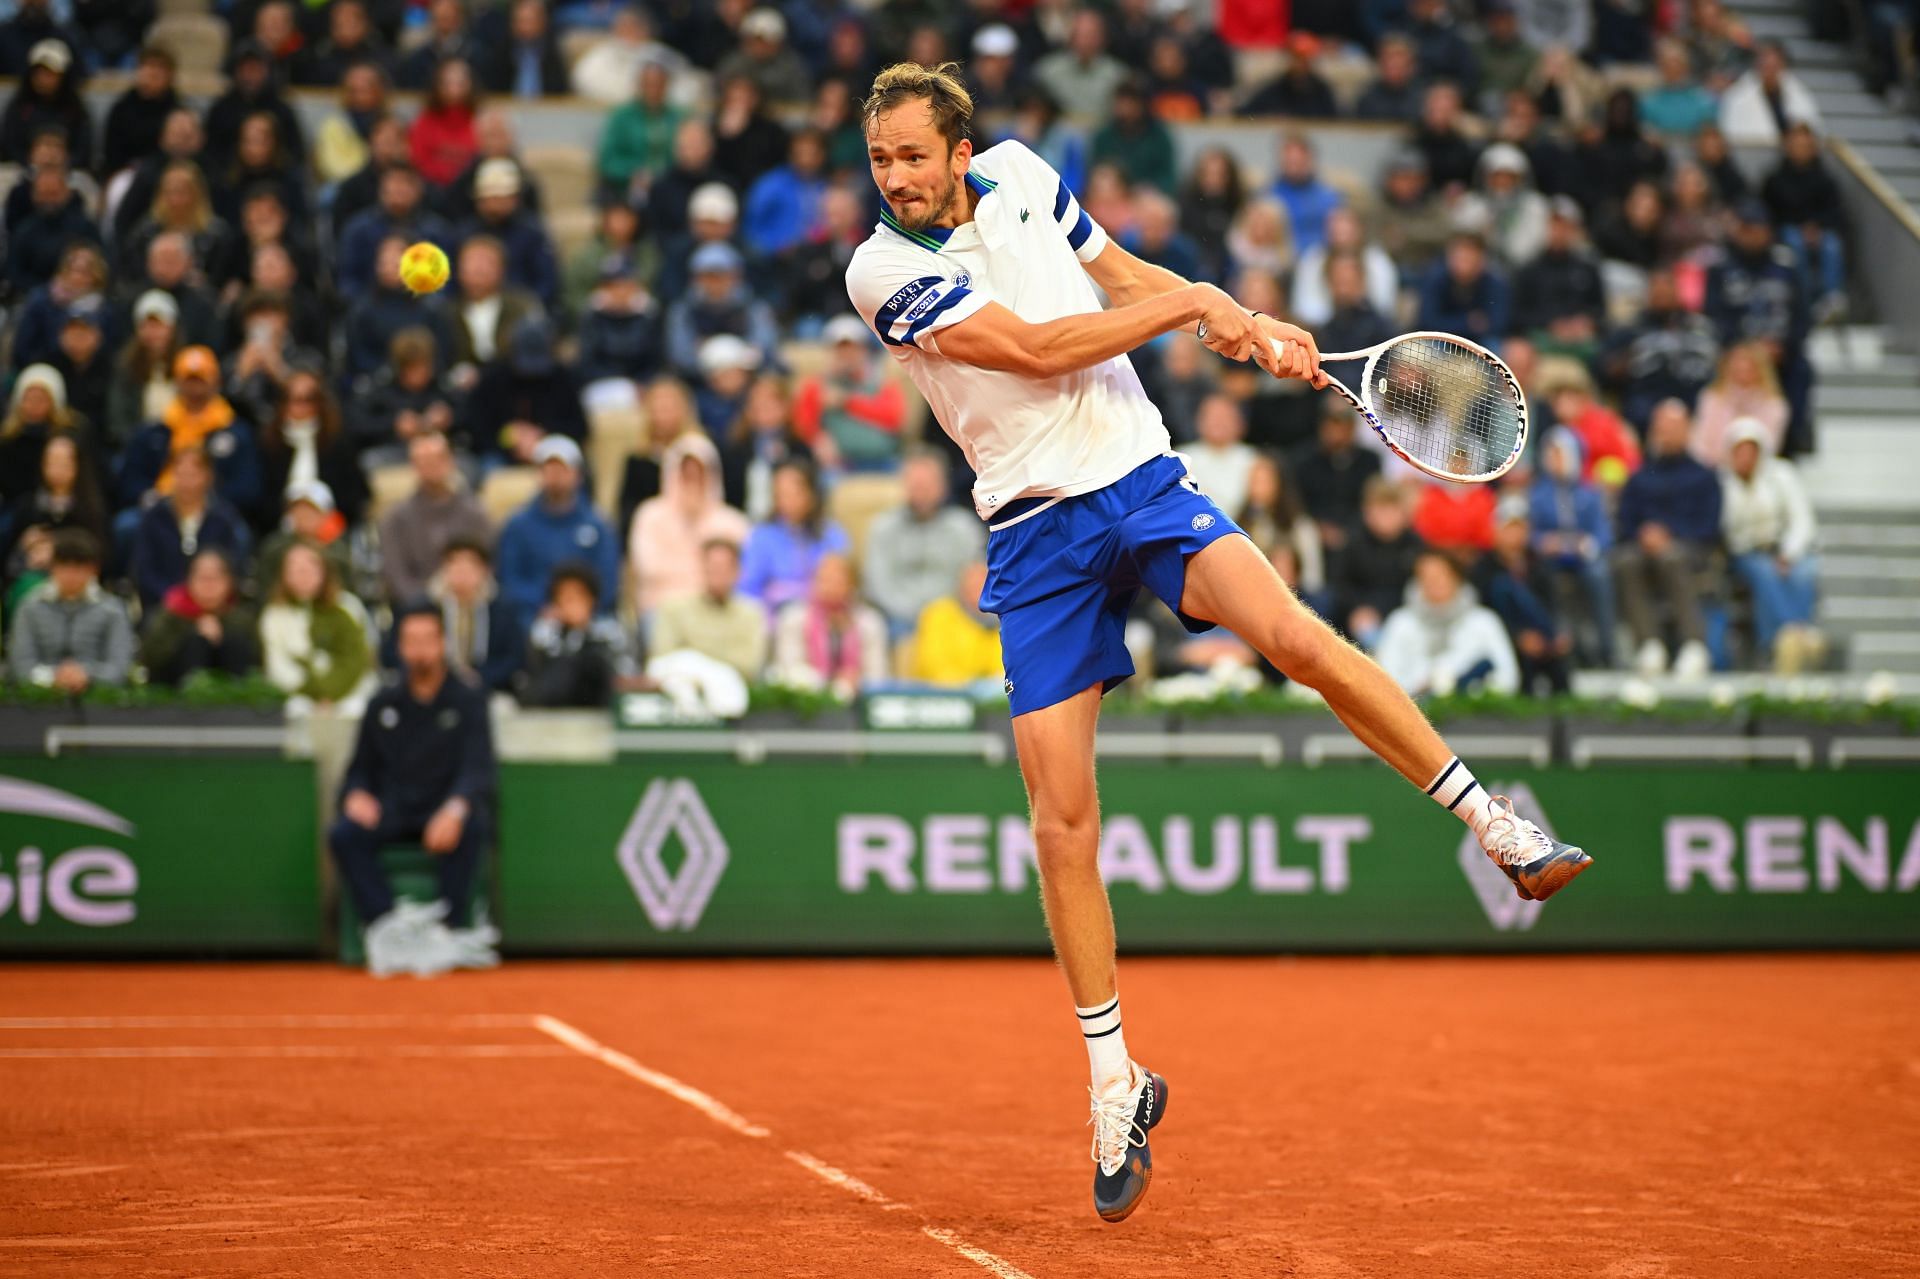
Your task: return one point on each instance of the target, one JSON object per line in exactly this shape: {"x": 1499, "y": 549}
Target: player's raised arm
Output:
{"x": 995, "y": 338}
{"x": 1284, "y": 350}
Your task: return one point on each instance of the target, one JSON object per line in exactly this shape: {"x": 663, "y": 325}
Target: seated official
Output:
{"x": 422, "y": 772}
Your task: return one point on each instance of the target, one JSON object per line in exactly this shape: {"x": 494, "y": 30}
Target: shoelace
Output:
{"x": 1114, "y": 1129}
{"x": 1512, "y": 840}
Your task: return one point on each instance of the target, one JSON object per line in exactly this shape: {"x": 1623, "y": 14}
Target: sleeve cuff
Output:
{"x": 1093, "y": 243}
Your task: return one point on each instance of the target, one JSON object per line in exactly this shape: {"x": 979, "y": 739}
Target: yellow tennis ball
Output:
{"x": 424, "y": 268}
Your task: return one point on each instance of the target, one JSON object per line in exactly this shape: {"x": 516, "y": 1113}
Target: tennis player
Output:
{"x": 980, "y": 279}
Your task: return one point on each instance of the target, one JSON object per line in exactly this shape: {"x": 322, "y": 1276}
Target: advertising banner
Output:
{"x": 715, "y": 857}
{"x": 151, "y": 855}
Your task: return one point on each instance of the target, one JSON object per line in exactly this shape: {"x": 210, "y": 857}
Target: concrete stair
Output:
{"x": 1864, "y": 478}
{"x": 1864, "y": 481}
{"x": 1870, "y": 586}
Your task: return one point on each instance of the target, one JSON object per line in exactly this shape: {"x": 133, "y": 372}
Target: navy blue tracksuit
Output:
{"x": 413, "y": 756}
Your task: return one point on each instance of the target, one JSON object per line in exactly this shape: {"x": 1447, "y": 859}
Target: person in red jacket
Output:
{"x": 1612, "y": 453}
{"x": 442, "y": 138}
{"x": 1456, "y": 518}
{"x": 850, "y": 414}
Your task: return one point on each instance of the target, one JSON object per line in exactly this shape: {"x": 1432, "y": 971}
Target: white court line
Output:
{"x": 287, "y": 1050}
{"x": 978, "y": 1256}
{"x": 249, "y": 1021}
{"x": 845, "y": 1180}
{"x": 587, "y": 1046}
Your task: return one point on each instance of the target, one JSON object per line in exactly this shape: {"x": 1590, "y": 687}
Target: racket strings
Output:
{"x": 1445, "y": 406}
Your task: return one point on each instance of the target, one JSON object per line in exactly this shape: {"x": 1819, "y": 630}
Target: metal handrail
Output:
{"x": 1842, "y": 751}
{"x": 1535, "y": 748}
{"x": 1682, "y": 747}
{"x": 166, "y": 737}
{"x": 1266, "y": 748}
{"x": 751, "y": 746}
{"x": 1869, "y": 177}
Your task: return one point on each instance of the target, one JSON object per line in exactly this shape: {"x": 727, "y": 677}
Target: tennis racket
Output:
{"x": 1447, "y": 406}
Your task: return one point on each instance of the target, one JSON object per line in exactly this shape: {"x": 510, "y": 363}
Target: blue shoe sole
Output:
{"x": 1560, "y": 871}
{"x": 1141, "y": 1161}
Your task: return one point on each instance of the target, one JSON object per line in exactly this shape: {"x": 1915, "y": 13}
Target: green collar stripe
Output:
{"x": 936, "y": 237}
{"x": 926, "y": 241}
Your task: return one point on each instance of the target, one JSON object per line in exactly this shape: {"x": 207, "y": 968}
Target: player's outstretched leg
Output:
{"x": 1231, "y": 583}
{"x": 1055, "y": 745}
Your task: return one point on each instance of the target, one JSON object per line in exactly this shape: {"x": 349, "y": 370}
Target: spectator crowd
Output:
{"x": 644, "y": 445}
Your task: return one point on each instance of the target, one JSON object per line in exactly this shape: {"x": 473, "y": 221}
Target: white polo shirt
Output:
{"x": 1024, "y": 437}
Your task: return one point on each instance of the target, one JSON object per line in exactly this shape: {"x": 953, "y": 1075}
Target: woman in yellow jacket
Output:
{"x": 955, "y": 645}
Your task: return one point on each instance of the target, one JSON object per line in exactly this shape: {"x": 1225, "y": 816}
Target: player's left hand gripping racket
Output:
{"x": 1447, "y": 406}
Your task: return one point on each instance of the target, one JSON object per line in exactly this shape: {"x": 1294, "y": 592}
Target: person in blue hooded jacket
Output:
{"x": 1572, "y": 536}
{"x": 558, "y": 526}
{"x": 783, "y": 204}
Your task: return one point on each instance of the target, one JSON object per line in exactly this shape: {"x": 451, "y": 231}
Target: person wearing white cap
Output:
{"x": 1507, "y": 211}
{"x": 1768, "y": 524}
{"x": 499, "y": 212}
{"x": 990, "y": 75}
{"x": 726, "y": 365}
{"x": 712, "y": 214}
{"x": 981, "y": 282}
{"x": 558, "y": 526}
{"x": 47, "y": 97}
{"x": 143, "y": 371}
{"x": 765, "y": 58}
{"x": 849, "y": 413}
{"x": 718, "y": 303}
{"x": 36, "y": 412}
{"x": 309, "y": 515}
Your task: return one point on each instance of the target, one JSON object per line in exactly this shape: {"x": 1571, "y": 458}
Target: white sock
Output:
{"x": 1106, "y": 1044}
{"x": 1458, "y": 791}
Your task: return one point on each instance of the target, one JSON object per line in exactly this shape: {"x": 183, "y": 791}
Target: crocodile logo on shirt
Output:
{"x": 1023, "y": 215}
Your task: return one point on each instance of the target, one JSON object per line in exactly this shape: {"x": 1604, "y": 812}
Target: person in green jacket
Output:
{"x": 618, "y": 236}
{"x": 313, "y": 635}
{"x": 201, "y": 625}
{"x": 1136, "y": 142}
{"x": 637, "y": 145}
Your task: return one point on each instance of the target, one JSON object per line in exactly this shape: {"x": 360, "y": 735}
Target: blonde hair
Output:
{"x": 1762, "y": 360}
{"x": 946, "y": 95}
{"x": 202, "y": 216}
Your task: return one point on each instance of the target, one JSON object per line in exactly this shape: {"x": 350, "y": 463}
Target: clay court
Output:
{"x": 1436, "y": 1117}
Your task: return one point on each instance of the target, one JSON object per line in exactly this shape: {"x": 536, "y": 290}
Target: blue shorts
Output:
{"x": 1063, "y": 577}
